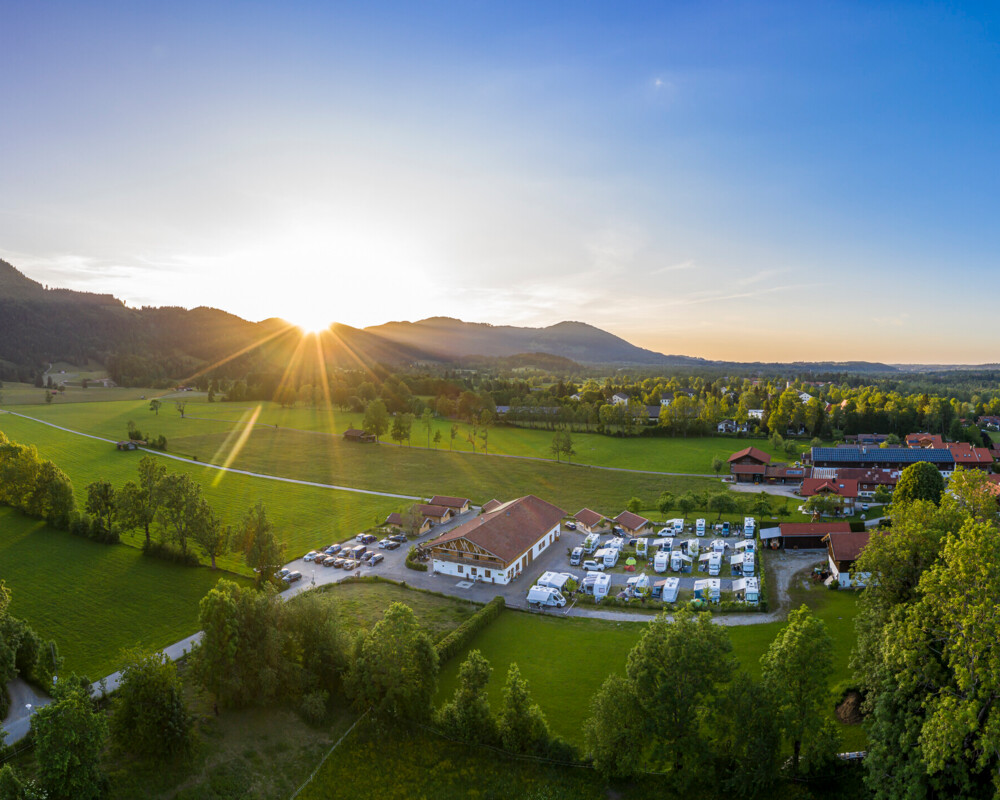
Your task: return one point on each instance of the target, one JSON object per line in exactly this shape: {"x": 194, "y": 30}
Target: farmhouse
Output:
{"x": 631, "y": 523}
{"x": 749, "y": 465}
{"x": 354, "y": 435}
{"x": 970, "y": 457}
{"x": 880, "y": 457}
{"x": 619, "y": 399}
{"x": 809, "y": 535}
{"x": 589, "y": 521}
{"x": 496, "y": 547}
{"x": 491, "y": 505}
{"x": 843, "y": 550}
{"x": 845, "y": 489}
{"x": 458, "y": 505}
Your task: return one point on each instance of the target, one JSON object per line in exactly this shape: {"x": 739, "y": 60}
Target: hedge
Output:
{"x": 412, "y": 562}
{"x": 464, "y": 633}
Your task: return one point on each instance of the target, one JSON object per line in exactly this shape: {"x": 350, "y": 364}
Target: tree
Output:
{"x": 376, "y": 420}
{"x": 212, "y": 536}
{"x": 687, "y": 503}
{"x": 723, "y": 502}
{"x": 255, "y": 539}
{"x": 148, "y": 715}
{"x": 182, "y": 509}
{"x": 454, "y": 435}
{"x": 400, "y": 430}
{"x": 49, "y": 396}
{"x": 567, "y": 446}
{"x": 394, "y": 668}
{"x": 556, "y": 447}
{"x": 69, "y": 737}
{"x": 920, "y": 481}
{"x": 437, "y": 438}
{"x": 665, "y": 503}
{"x": 974, "y": 493}
{"x": 634, "y": 505}
{"x": 154, "y": 406}
{"x": 468, "y": 715}
{"x": 138, "y": 502}
{"x": 746, "y": 737}
{"x": 882, "y": 495}
{"x": 180, "y": 405}
{"x": 823, "y": 505}
{"x": 523, "y": 728}
{"x": 427, "y": 420}
{"x": 285, "y": 396}
{"x": 797, "y": 668}
{"x": 675, "y": 670}
{"x": 613, "y": 728}
{"x": 761, "y": 505}
{"x": 101, "y": 503}
{"x": 717, "y": 465}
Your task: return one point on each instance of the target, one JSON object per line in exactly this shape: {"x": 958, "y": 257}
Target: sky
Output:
{"x": 746, "y": 181}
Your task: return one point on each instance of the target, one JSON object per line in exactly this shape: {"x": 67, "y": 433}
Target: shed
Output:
{"x": 589, "y": 521}
{"x": 809, "y": 535}
{"x": 631, "y": 523}
{"x": 354, "y": 435}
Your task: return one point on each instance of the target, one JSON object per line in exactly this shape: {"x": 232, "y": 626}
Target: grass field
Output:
{"x": 304, "y": 516}
{"x": 95, "y": 599}
{"x": 360, "y": 605}
{"x": 566, "y": 660}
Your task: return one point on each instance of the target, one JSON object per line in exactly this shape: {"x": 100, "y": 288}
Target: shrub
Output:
{"x": 412, "y": 563}
{"x": 167, "y": 553}
{"x": 834, "y": 584}
{"x": 313, "y": 708}
{"x": 464, "y": 633}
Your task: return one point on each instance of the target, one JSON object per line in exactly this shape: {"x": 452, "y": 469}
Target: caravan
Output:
{"x": 590, "y": 543}
{"x": 673, "y": 526}
{"x": 692, "y": 546}
{"x": 637, "y": 585}
{"x": 749, "y": 527}
{"x": 545, "y": 596}
{"x": 714, "y": 564}
{"x": 680, "y": 562}
{"x": 666, "y": 589}
{"x": 661, "y": 561}
{"x": 699, "y": 527}
{"x": 607, "y": 556}
{"x": 596, "y": 584}
{"x": 642, "y": 548}
{"x": 708, "y": 590}
{"x": 719, "y": 546}
{"x": 556, "y": 580}
{"x": 747, "y": 590}
{"x": 748, "y": 564}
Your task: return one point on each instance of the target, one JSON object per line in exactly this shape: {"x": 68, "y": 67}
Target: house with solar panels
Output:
{"x": 880, "y": 458}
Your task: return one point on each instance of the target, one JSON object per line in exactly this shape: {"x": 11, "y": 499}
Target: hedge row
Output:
{"x": 412, "y": 563}
{"x": 463, "y": 634}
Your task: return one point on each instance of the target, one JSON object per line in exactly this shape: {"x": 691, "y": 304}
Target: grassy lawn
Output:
{"x": 95, "y": 599}
{"x": 304, "y": 516}
{"x": 360, "y": 605}
{"x": 566, "y": 660}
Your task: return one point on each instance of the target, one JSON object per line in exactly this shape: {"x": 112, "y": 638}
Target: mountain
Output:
{"x": 451, "y": 339}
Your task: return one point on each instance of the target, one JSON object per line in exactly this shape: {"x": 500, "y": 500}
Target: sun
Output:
{"x": 312, "y": 323}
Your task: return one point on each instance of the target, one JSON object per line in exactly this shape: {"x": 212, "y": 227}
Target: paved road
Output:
{"x": 18, "y": 721}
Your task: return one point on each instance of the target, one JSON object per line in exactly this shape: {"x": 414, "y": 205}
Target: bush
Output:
{"x": 464, "y": 633}
{"x": 101, "y": 534}
{"x": 412, "y": 563}
{"x": 313, "y": 707}
{"x": 835, "y": 584}
{"x": 79, "y": 525}
{"x": 167, "y": 553}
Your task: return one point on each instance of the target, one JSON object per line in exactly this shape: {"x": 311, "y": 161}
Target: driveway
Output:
{"x": 18, "y": 720}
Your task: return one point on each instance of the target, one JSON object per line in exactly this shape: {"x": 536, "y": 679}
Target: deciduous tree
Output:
{"x": 148, "y": 714}
{"x": 920, "y": 481}
{"x": 614, "y": 726}
{"x": 468, "y": 716}
{"x": 69, "y": 737}
{"x": 255, "y": 539}
{"x": 376, "y": 419}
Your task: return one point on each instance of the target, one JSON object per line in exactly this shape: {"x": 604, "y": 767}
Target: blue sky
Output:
{"x": 753, "y": 181}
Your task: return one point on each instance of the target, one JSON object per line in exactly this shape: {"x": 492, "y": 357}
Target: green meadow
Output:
{"x": 93, "y": 599}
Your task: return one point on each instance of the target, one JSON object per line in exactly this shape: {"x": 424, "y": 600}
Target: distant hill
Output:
{"x": 454, "y": 339}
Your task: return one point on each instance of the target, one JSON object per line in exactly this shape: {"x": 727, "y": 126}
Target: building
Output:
{"x": 354, "y": 435}
{"x": 631, "y": 523}
{"x": 881, "y": 457}
{"x": 436, "y": 514}
{"x": 925, "y": 440}
{"x": 498, "y": 546}
{"x": 130, "y": 444}
{"x": 395, "y": 520}
{"x": 589, "y": 521}
{"x": 809, "y": 535}
{"x": 619, "y": 399}
{"x": 491, "y": 505}
{"x": 843, "y": 550}
{"x": 846, "y": 490}
{"x": 755, "y": 413}
{"x": 458, "y": 505}
{"x": 970, "y": 457}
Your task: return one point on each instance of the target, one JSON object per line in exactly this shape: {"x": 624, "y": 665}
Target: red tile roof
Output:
{"x": 432, "y": 511}
{"x": 838, "y": 486}
{"x": 491, "y": 505}
{"x": 965, "y": 453}
{"x": 631, "y": 521}
{"x": 813, "y": 528}
{"x": 846, "y": 546}
{"x": 749, "y": 469}
{"x": 395, "y": 518}
{"x": 753, "y": 452}
{"x": 449, "y": 502}
{"x": 588, "y": 518}
{"x": 511, "y": 530}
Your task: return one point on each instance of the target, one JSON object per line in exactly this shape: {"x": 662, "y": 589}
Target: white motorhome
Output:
{"x": 699, "y": 527}
{"x": 615, "y": 543}
{"x": 709, "y": 589}
{"x": 661, "y": 561}
{"x": 748, "y": 564}
{"x": 693, "y": 546}
{"x": 638, "y": 585}
{"x": 596, "y": 584}
{"x": 667, "y": 589}
{"x": 607, "y": 556}
{"x": 545, "y": 596}
{"x": 714, "y": 564}
{"x": 556, "y": 580}
{"x": 576, "y": 556}
{"x": 642, "y": 547}
{"x": 749, "y": 545}
{"x": 674, "y": 525}
{"x": 719, "y": 545}
{"x": 749, "y": 526}
{"x": 679, "y": 561}
{"x": 590, "y": 543}
{"x": 747, "y": 590}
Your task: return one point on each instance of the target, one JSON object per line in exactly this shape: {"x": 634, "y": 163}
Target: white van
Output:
{"x": 714, "y": 564}
{"x": 675, "y": 525}
{"x": 590, "y": 543}
{"x": 699, "y": 527}
{"x": 545, "y": 596}
{"x": 749, "y": 525}
{"x": 661, "y": 561}
{"x": 576, "y": 557}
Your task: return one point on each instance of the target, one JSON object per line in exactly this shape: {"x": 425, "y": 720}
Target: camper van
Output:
{"x": 555, "y": 580}
{"x": 674, "y": 525}
{"x": 749, "y": 526}
{"x": 590, "y": 543}
{"x": 661, "y": 561}
{"x": 718, "y": 546}
{"x": 596, "y": 584}
{"x": 699, "y": 527}
{"x": 642, "y": 548}
{"x": 714, "y": 564}
{"x": 693, "y": 547}
{"x": 545, "y": 596}
{"x": 610, "y": 557}
{"x": 709, "y": 590}
{"x": 748, "y": 563}
{"x": 747, "y": 590}
{"x": 666, "y": 589}
{"x": 576, "y": 556}
{"x": 679, "y": 561}
{"x": 615, "y": 543}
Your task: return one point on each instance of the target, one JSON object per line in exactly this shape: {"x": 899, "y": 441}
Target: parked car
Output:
{"x": 392, "y": 546}
{"x": 864, "y": 506}
{"x": 310, "y": 556}
{"x": 367, "y": 557}
{"x": 350, "y": 563}
{"x": 375, "y": 559}
{"x": 576, "y": 556}
{"x": 367, "y": 538}
{"x": 338, "y": 562}
{"x": 382, "y": 544}
{"x": 329, "y": 561}
{"x": 281, "y": 573}
{"x": 570, "y": 526}
{"x": 593, "y": 566}
{"x": 291, "y": 577}
{"x": 333, "y": 549}
{"x": 401, "y": 538}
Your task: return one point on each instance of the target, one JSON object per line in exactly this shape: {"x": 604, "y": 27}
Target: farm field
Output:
{"x": 303, "y": 515}
{"x": 95, "y": 599}
{"x": 689, "y": 456}
{"x": 565, "y": 661}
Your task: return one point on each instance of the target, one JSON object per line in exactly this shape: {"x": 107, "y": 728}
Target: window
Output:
{"x": 461, "y": 568}
{"x": 486, "y": 572}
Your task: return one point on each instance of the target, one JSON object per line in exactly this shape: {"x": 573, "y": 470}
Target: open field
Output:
{"x": 565, "y": 661}
{"x": 360, "y": 605}
{"x": 304, "y": 516}
{"x": 16, "y": 394}
{"x": 95, "y": 599}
